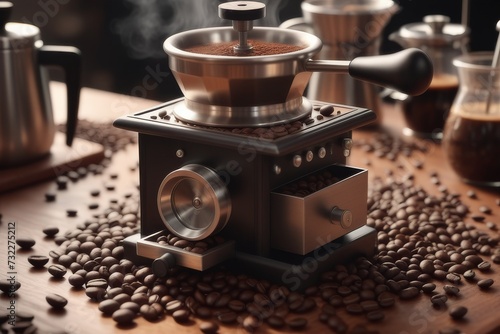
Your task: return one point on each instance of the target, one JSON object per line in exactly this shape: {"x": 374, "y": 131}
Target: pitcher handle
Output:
{"x": 69, "y": 59}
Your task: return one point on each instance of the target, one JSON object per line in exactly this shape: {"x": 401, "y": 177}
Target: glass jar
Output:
{"x": 471, "y": 139}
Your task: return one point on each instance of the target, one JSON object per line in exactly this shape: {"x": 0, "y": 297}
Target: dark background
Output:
{"x": 122, "y": 51}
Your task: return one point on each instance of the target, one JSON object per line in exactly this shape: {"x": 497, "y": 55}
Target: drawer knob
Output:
{"x": 341, "y": 217}
{"x": 163, "y": 264}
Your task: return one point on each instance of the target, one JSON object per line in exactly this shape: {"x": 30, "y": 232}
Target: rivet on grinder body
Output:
{"x": 242, "y": 13}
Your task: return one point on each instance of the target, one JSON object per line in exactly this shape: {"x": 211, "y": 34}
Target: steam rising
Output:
{"x": 150, "y": 22}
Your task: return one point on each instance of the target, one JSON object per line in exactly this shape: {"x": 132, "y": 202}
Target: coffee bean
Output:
{"x": 307, "y": 305}
{"x": 369, "y": 305}
{"x": 484, "y": 266}
{"x": 8, "y": 287}
{"x": 440, "y": 274}
{"x": 427, "y": 266}
{"x": 181, "y": 315}
{"x": 38, "y": 261}
{"x": 134, "y": 307}
{"x": 65, "y": 260}
{"x": 409, "y": 293}
{"x": 55, "y": 254}
{"x": 351, "y": 299}
{"x": 95, "y": 293}
{"x": 236, "y": 305}
{"x": 275, "y": 321}
{"x": 451, "y": 290}
{"x": 141, "y": 298}
{"x": 57, "y": 270}
{"x": 71, "y": 213}
{"x": 458, "y": 312}
{"x": 92, "y": 275}
{"x": 76, "y": 280}
{"x": 113, "y": 292}
{"x": 212, "y": 298}
{"x": 56, "y": 301}
{"x": 457, "y": 269}
{"x": 336, "y": 300}
{"x": 428, "y": 287}
{"x": 326, "y": 110}
{"x": 251, "y": 323}
{"x": 439, "y": 300}
{"x": 50, "y": 231}
{"x": 123, "y": 316}
{"x": 453, "y": 278}
{"x": 203, "y": 312}
{"x": 354, "y": 308}
{"x": 93, "y": 206}
{"x": 469, "y": 275}
{"x": 297, "y": 323}
{"x": 97, "y": 282}
{"x": 475, "y": 259}
{"x": 367, "y": 294}
{"x": 108, "y": 306}
{"x": 485, "y": 283}
{"x": 50, "y": 196}
{"x": 173, "y": 306}
{"x": 87, "y": 247}
{"x": 209, "y": 327}
{"x": 386, "y": 299}
{"x": 375, "y": 315}
{"x": 227, "y": 317}
{"x": 24, "y": 316}
{"x": 122, "y": 297}
{"x": 337, "y": 324}
{"x": 25, "y": 243}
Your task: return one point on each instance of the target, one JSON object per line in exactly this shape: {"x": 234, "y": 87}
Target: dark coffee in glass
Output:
{"x": 472, "y": 145}
{"x": 425, "y": 115}
{"x": 471, "y": 137}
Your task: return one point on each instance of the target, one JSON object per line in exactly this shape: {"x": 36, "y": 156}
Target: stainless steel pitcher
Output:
{"x": 27, "y": 126}
{"x": 348, "y": 29}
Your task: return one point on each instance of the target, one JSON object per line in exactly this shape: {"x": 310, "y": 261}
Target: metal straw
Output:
{"x": 494, "y": 65}
{"x": 465, "y": 13}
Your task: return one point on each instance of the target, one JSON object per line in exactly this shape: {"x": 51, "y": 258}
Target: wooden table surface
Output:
{"x": 29, "y": 211}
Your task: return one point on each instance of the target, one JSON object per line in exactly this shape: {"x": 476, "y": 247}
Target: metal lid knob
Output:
{"x": 437, "y": 22}
{"x": 242, "y": 13}
{"x": 242, "y": 10}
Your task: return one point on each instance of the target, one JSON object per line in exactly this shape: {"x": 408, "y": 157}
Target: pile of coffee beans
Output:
{"x": 428, "y": 247}
{"x": 264, "y": 132}
{"x": 309, "y": 184}
{"x": 198, "y": 247}
{"x": 425, "y": 248}
{"x": 112, "y": 138}
{"x": 23, "y": 321}
{"x": 385, "y": 145}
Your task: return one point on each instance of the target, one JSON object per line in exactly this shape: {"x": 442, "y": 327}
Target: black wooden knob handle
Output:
{"x": 242, "y": 10}
{"x": 409, "y": 71}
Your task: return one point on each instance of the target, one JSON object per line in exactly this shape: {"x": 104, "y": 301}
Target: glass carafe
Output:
{"x": 471, "y": 139}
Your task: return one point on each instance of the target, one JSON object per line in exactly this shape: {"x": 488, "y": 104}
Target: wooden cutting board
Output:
{"x": 61, "y": 159}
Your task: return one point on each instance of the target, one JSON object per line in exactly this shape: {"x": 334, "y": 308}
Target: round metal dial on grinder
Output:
{"x": 242, "y": 10}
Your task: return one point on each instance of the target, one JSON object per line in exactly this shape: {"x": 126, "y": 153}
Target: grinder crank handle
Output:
{"x": 408, "y": 71}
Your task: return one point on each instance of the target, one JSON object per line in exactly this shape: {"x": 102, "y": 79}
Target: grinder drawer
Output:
{"x": 320, "y": 207}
